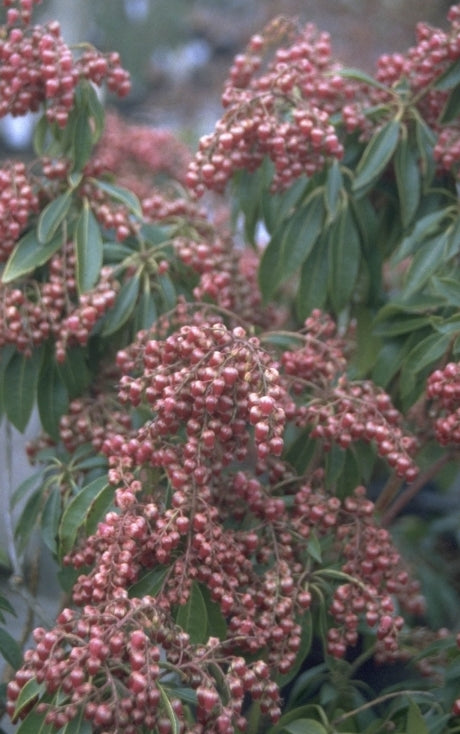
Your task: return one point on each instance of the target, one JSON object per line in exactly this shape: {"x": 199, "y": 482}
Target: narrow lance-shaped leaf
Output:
{"x": 270, "y": 266}
{"x": 376, "y": 157}
{"x": 452, "y": 107}
{"x": 52, "y": 396}
{"x": 426, "y": 262}
{"x": 19, "y": 388}
{"x": 312, "y": 291}
{"x": 52, "y": 217}
{"x": 450, "y": 78}
{"x": 89, "y": 249}
{"x": 76, "y": 513}
{"x": 407, "y": 179}
{"x": 124, "y": 306}
{"x": 300, "y": 235}
{"x": 10, "y": 649}
{"x": 28, "y": 254}
{"x": 192, "y": 616}
{"x": 332, "y": 189}
{"x": 344, "y": 259}
{"x": 124, "y": 196}
{"x": 423, "y": 229}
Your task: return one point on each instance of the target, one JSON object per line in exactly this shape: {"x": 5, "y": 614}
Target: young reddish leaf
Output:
{"x": 376, "y": 157}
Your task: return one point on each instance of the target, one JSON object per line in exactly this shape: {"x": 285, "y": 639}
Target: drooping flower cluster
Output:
{"x": 443, "y": 388}
{"x": 38, "y": 68}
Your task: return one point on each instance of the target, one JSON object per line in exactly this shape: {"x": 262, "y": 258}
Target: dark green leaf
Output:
{"x": 427, "y": 353}
{"x": 217, "y": 626}
{"x": 116, "y": 252}
{"x": 335, "y": 463}
{"x": 49, "y": 524}
{"x": 41, "y": 133}
{"x": 169, "y": 711}
{"x": 96, "y": 110}
{"x": 98, "y": 509}
{"x": 167, "y": 291}
{"x": 367, "y": 343}
{"x": 306, "y": 638}
{"x": 415, "y": 722}
{"x": 6, "y": 606}
{"x": 78, "y": 725}
{"x": 448, "y": 288}
{"x": 426, "y": 262}
{"x": 314, "y": 547}
{"x": 449, "y": 326}
{"x": 453, "y": 245}
{"x": 451, "y": 109}
{"x": 30, "y": 691}
{"x": 74, "y": 371}
{"x": 34, "y": 724}
{"x": 76, "y": 514}
{"x": 20, "y": 387}
{"x": 10, "y": 649}
{"x": 344, "y": 259}
{"x": 301, "y": 452}
{"x": 29, "y": 518}
{"x": 425, "y": 143}
{"x": 52, "y": 397}
{"x": 192, "y": 616}
{"x": 401, "y": 325}
{"x": 361, "y": 76}
{"x": 23, "y": 489}
{"x": 124, "y": 196}
{"x": 52, "y": 217}
{"x": 304, "y": 726}
{"x": 333, "y": 187}
{"x": 270, "y": 266}
{"x": 424, "y": 228}
{"x": 29, "y": 254}
{"x": 312, "y": 291}
{"x": 150, "y": 584}
{"x": 146, "y": 313}
{"x": 450, "y": 77}
{"x": 376, "y": 157}
{"x": 300, "y": 235}
{"x": 407, "y": 179}
{"x": 89, "y": 249}
{"x": 154, "y": 234}
{"x": 82, "y": 144}
{"x": 124, "y": 306}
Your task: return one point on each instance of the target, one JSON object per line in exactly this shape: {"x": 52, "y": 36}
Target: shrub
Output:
{"x": 218, "y": 413}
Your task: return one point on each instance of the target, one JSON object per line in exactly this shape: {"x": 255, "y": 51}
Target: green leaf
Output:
{"x": 301, "y": 233}
{"x": 168, "y": 291}
{"x": 52, "y": 217}
{"x": 28, "y": 693}
{"x": 6, "y": 606}
{"x": 96, "y": 109}
{"x": 124, "y": 306}
{"x": 19, "y": 388}
{"x": 89, "y": 249}
{"x": 217, "y": 626}
{"x": 407, "y": 179}
{"x": 401, "y": 325}
{"x": 76, "y": 513}
{"x": 426, "y": 262}
{"x": 122, "y": 195}
{"x": 29, "y": 518}
{"x": 82, "y": 143}
{"x": 23, "y": 489}
{"x": 426, "y": 353}
{"x": 449, "y": 78}
{"x": 192, "y": 616}
{"x": 344, "y": 259}
{"x": 34, "y": 724}
{"x": 74, "y": 371}
{"x": 448, "y": 288}
{"x": 314, "y": 547}
{"x": 50, "y": 517}
{"x": 304, "y": 726}
{"x": 78, "y": 725}
{"x": 41, "y": 133}
{"x": 28, "y": 254}
{"x": 376, "y": 157}
{"x": 10, "y": 649}
{"x": 52, "y": 397}
{"x": 415, "y": 722}
{"x": 425, "y": 143}
{"x": 314, "y": 275}
{"x": 361, "y": 76}
{"x": 306, "y": 638}
{"x": 150, "y": 584}
{"x": 270, "y": 265}
{"x": 169, "y": 711}
{"x": 332, "y": 189}
{"x": 146, "y": 312}
{"x": 451, "y": 109}
{"x": 99, "y": 508}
